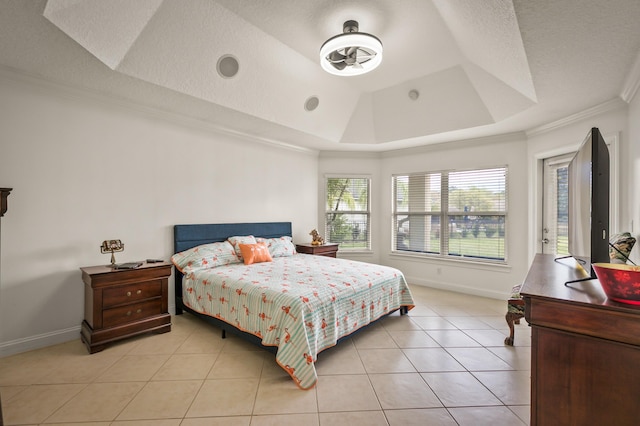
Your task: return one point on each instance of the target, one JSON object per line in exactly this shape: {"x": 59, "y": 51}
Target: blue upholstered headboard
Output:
{"x": 188, "y": 236}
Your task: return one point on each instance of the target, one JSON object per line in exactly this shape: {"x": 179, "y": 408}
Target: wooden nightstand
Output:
{"x": 120, "y": 303}
{"x": 328, "y": 249}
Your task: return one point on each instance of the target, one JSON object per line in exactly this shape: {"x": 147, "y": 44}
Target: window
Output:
{"x": 459, "y": 214}
{"x": 555, "y": 214}
{"x": 347, "y": 212}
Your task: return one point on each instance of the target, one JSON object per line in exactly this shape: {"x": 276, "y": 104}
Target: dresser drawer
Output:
{"x": 119, "y": 295}
{"x": 128, "y": 313}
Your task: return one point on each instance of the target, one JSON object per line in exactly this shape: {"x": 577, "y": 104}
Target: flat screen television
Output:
{"x": 589, "y": 203}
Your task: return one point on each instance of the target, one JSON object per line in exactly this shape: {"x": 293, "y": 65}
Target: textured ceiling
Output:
{"x": 481, "y": 68}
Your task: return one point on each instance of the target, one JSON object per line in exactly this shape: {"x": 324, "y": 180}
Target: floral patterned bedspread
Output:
{"x": 302, "y": 303}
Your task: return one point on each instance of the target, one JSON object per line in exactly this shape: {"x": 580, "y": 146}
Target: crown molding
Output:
{"x": 350, "y": 154}
{"x": 463, "y": 143}
{"x": 632, "y": 82}
{"x": 77, "y": 93}
{"x": 610, "y": 105}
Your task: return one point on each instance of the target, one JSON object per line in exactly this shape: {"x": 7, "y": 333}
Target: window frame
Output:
{"x": 444, "y": 214}
{"x": 366, "y": 212}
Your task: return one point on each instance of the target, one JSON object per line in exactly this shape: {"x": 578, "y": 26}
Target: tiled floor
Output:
{"x": 443, "y": 364}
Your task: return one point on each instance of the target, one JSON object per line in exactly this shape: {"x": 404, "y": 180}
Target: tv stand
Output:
{"x": 585, "y": 349}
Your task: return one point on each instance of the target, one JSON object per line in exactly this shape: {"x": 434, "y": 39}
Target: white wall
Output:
{"x": 486, "y": 280}
{"x": 355, "y": 164}
{"x": 85, "y": 169}
{"x": 522, "y": 155}
{"x": 456, "y": 275}
{"x": 612, "y": 124}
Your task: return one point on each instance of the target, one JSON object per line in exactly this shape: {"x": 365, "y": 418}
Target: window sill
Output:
{"x": 360, "y": 252}
{"x": 476, "y": 264}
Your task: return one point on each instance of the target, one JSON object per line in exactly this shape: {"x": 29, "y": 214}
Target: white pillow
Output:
{"x": 205, "y": 256}
{"x": 279, "y": 247}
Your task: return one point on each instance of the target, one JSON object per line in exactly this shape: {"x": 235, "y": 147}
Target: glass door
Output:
{"x": 555, "y": 231}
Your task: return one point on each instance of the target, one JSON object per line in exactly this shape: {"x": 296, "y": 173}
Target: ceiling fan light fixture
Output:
{"x": 351, "y": 53}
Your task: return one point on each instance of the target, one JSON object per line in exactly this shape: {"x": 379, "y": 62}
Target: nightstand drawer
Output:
{"x": 126, "y": 314}
{"x": 131, "y": 293}
{"x": 328, "y": 249}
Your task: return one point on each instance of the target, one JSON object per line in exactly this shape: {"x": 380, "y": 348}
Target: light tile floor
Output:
{"x": 443, "y": 364}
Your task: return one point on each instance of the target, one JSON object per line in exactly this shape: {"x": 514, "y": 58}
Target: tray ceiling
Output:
{"x": 478, "y": 68}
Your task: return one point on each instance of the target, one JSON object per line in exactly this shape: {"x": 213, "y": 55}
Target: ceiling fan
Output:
{"x": 353, "y": 56}
{"x": 351, "y": 53}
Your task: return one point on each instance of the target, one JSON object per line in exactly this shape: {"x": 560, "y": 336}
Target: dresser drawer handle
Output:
{"x": 139, "y": 292}
{"x": 129, "y": 313}
{"x": 128, "y": 293}
{"x": 139, "y": 311}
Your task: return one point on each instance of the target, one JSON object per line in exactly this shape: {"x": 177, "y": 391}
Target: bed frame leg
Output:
{"x": 404, "y": 310}
{"x": 179, "y": 306}
{"x": 224, "y": 333}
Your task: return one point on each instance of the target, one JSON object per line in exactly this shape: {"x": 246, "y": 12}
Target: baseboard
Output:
{"x": 458, "y": 288}
{"x": 17, "y": 346}
{"x": 25, "y": 344}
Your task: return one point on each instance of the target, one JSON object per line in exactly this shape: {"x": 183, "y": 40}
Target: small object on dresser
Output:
{"x": 316, "y": 238}
{"x": 155, "y": 260}
{"x": 112, "y": 246}
{"x": 127, "y": 265}
{"x": 620, "y": 282}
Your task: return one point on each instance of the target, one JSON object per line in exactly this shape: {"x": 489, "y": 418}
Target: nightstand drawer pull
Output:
{"x": 129, "y": 293}
{"x": 139, "y": 311}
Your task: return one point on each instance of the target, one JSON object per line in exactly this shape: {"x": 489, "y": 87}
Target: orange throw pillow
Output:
{"x": 255, "y": 253}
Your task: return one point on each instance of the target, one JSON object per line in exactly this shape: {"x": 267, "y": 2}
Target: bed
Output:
{"x": 295, "y": 305}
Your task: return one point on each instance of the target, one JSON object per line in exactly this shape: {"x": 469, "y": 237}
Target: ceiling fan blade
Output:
{"x": 336, "y": 57}
{"x": 339, "y": 65}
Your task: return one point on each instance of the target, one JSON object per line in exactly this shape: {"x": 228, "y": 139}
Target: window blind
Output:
{"x": 348, "y": 212}
{"x": 451, "y": 213}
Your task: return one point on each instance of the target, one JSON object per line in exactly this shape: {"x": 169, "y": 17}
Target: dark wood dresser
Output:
{"x": 4, "y": 194}
{"x": 328, "y": 249}
{"x": 585, "y": 349}
{"x": 120, "y": 303}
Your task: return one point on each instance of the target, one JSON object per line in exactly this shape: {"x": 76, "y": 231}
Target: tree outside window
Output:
{"x": 347, "y": 212}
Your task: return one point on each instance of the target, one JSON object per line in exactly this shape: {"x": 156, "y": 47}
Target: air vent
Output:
{"x": 228, "y": 66}
{"x": 311, "y": 103}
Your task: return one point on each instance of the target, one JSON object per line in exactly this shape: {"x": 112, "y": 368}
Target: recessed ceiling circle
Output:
{"x": 351, "y": 53}
{"x": 311, "y": 103}
{"x": 227, "y": 66}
